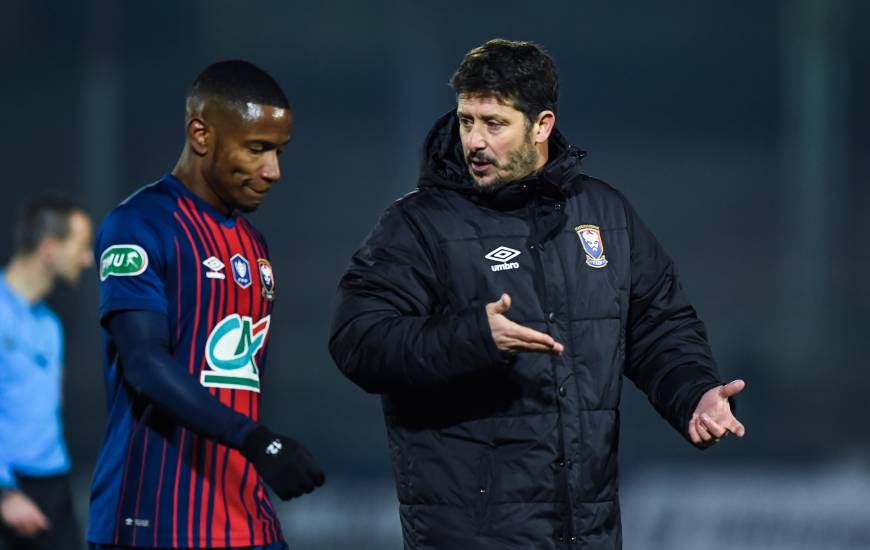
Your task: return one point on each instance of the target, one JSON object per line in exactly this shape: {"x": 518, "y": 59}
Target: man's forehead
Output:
{"x": 240, "y": 111}
{"x": 251, "y": 112}
{"x": 485, "y": 101}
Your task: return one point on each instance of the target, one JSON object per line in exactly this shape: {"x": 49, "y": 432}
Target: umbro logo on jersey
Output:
{"x": 215, "y": 267}
{"x": 504, "y": 255}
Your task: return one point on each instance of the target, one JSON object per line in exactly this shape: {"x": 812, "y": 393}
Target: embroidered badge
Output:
{"x": 267, "y": 278}
{"x": 215, "y": 267}
{"x": 593, "y": 245}
{"x": 241, "y": 271}
{"x": 123, "y": 260}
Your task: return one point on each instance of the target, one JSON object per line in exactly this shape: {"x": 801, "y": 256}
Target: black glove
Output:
{"x": 283, "y": 463}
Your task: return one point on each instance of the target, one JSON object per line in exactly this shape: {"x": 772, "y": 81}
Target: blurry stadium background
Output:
{"x": 739, "y": 130}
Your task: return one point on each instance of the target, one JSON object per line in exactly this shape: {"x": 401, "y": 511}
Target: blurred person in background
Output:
{"x": 186, "y": 298}
{"x": 52, "y": 243}
{"x": 496, "y": 310}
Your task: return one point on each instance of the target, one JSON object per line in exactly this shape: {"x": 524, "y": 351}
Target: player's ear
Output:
{"x": 543, "y": 126}
{"x": 198, "y": 136}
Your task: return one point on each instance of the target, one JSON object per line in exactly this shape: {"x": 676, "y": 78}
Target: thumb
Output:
{"x": 733, "y": 388}
{"x": 503, "y": 304}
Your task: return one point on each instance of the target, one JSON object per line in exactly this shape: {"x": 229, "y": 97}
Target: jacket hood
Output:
{"x": 443, "y": 165}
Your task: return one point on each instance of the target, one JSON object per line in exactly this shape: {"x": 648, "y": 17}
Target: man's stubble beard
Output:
{"x": 520, "y": 163}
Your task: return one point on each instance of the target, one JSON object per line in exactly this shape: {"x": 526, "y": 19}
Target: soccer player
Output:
{"x": 52, "y": 242}
{"x": 186, "y": 299}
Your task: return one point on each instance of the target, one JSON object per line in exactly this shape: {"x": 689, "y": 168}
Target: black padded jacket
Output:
{"x": 514, "y": 453}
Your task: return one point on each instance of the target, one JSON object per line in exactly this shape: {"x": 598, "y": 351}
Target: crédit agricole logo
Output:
{"x": 230, "y": 352}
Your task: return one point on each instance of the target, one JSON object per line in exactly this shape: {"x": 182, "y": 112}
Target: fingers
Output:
{"x": 732, "y": 388}
{"x": 718, "y": 430}
{"x": 703, "y": 434}
{"x": 23, "y": 515}
{"x": 526, "y": 339}
{"x": 500, "y": 306}
{"x": 713, "y": 428}
{"x": 522, "y": 345}
{"x": 737, "y": 428}
{"x": 512, "y": 337}
{"x": 31, "y": 524}
{"x": 694, "y": 436}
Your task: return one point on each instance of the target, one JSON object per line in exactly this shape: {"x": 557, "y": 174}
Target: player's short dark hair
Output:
{"x": 42, "y": 217}
{"x": 237, "y": 83}
{"x": 520, "y": 72}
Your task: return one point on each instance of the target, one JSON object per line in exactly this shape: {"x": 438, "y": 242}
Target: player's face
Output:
{"x": 496, "y": 140}
{"x": 73, "y": 254}
{"x": 244, "y": 160}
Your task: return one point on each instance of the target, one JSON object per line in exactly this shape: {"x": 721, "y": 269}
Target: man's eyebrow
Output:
{"x": 483, "y": 117}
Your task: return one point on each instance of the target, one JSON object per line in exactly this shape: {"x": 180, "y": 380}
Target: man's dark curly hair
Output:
{"x": 520, "y": 72}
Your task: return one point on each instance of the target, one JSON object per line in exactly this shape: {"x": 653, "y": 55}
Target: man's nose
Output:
{"x": 271, "y": 171}
{"x": 475, "y": 139}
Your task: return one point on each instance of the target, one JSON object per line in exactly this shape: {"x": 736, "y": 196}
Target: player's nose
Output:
{"x": 271, "y": 171}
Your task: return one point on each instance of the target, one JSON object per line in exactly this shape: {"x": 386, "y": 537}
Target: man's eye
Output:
{"x": 493, "y": 125}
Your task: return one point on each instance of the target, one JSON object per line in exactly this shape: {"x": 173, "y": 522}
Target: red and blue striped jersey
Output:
{"x": 157, "y": 484}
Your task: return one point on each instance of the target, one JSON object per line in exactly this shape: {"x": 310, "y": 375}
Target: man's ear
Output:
{"x": 198, "y": 136}
{"x": 544, "y": 125}
{"x": 47, "y": 249}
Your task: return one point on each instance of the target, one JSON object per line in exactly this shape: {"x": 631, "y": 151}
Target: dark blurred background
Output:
{"x": 739, "y": 130}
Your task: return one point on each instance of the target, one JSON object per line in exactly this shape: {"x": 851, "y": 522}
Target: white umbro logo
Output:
{"x": 504, "y": 255}
{"x": 215, "y": 266}
{"x": 274, "y": 447}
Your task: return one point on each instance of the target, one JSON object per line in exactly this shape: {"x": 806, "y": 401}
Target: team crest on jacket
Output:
{"x": 230, "y": 351}
{"x": 593, "y": 245}
{"x": 267, "y": 278}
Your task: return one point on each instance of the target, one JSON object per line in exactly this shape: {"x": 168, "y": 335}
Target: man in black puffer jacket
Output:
{"x": 496, "y": 310}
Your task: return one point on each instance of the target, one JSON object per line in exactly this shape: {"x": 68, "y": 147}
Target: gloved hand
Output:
{"x": 283, "y": 463}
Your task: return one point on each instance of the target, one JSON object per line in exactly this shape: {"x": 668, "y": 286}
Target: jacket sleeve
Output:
{"x": 391, "y": 327}
{"x": 667, "y": 353}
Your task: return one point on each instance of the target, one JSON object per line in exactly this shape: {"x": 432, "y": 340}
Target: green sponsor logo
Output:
{"x": 230, "y": 351}
{"x": 122, "y": 260}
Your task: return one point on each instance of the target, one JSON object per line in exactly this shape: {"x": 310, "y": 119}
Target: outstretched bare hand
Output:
{"x": 511, "y": 337}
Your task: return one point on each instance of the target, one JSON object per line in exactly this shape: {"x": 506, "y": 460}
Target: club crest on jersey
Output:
{"x": 215, "y": 268}
{"x": 593, "y": 245}
{"x": 123, "y": 260}
{"x": 230, "y": 353}
{"x": 241, "y": 270}
{"x": 267, "y": 278}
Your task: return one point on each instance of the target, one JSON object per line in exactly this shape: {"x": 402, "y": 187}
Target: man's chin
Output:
{"x": 488, "y": 185}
